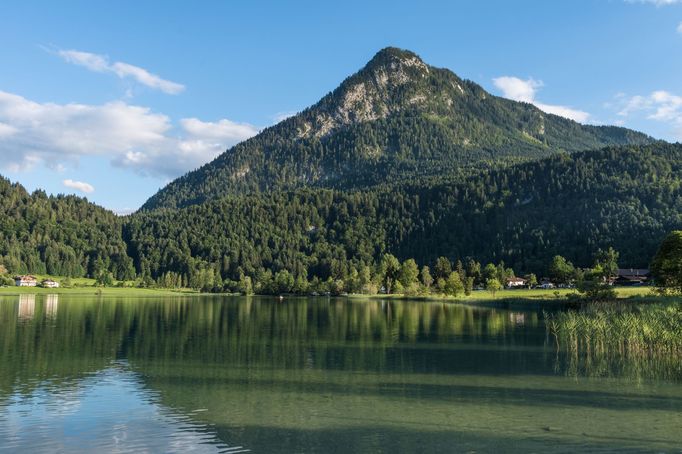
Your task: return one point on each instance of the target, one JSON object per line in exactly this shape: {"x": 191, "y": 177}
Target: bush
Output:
{"x": 666, "y": 267}
{"x": 6, "y": 280}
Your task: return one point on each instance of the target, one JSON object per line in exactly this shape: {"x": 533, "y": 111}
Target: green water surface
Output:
{"x": 318, "y": 375}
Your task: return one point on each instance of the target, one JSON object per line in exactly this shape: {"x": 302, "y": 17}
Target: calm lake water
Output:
{"x": 221, "y": 374}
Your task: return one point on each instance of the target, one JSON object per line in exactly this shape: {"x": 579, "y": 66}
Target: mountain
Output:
{"x": 567, "y": 204}
{"x": 396, "y": 119}
{"x": 402, "y": 158}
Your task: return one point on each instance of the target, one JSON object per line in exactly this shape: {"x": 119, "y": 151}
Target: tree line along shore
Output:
{"x": 391, "y": 277}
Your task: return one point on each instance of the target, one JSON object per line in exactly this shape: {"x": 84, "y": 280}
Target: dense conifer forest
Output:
{"x": 62, "y": 235}
{"x": 517, "y": 217}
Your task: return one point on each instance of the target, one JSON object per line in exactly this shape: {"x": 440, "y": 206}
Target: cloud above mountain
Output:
{"x": 34, "y": 133}
{"x": 526, "y": 91}
{"x": 79, "y": 186}
{"x": 656, "y": 2}
{"x": 101, "y": 64}
{"x": 660, "y": 106}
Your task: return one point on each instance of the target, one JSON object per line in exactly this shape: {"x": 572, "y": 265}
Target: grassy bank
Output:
{"x": 529, "y": 295}
{"x": 86, "y": 286}
{"x": 106, "y": 291}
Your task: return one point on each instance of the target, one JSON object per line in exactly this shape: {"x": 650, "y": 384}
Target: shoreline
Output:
{"x": 97, "y": 291}
{"x": 511, "y": 299}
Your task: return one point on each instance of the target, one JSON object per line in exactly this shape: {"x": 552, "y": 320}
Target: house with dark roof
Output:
{"x": 632, "y": 276}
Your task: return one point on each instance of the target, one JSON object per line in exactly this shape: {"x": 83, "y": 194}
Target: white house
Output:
{"x": 49, "y": 283}
{"x": 25, "y": 281}
{"x": 514, "y": 282}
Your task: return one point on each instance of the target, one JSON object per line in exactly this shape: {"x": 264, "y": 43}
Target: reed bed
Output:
{"x": 643, "y": 329}
{"x": 612, "y": 339}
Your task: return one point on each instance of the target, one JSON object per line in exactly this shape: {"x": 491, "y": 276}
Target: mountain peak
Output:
{"x": 393, "y": 79}
{"x": 390, "y": 60}
{"x": 389, "y": 55}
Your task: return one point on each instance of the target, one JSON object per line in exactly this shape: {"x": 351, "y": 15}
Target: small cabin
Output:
{"x": 632, "y": 276}
{"x": 25, "y": 281}
{"x": 49, "y": 283}
{"x": 514, "y": 282}
{"x": 546, "y": 285}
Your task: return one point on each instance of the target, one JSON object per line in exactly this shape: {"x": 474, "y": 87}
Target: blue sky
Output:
{"x": 112, "y": 100}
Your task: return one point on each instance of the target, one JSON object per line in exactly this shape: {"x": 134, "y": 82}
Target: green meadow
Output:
{"x": 87, "y": 286}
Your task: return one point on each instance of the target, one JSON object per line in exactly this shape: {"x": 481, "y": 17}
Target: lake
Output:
{"x": 314, "y": 375}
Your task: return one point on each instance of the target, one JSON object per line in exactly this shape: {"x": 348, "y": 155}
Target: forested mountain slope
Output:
{"x": 62, "y": 235}
{"x": 568, "y": 204}
{"x": 397, "y": 118}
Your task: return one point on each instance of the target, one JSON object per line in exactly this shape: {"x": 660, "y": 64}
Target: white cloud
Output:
{"x": 124, "y": 211}
{"x": 660, "y": 106}
{"x": 679, "y": 28}
{"x": 526, "y": 91}
{"x": 281, "y": 116}
{"x": 223, "y": 130}
{"x": 93, "y": 62}
{"x": 100, "y": 63}
{"x": 33, "y": 133}
{"x": 563, "y": 111}
{"x": 6, "y": 130}
{"x": 79, "y": 186}
{"x": 517, "y": 89}
{"x": 144, "y": 77}
{"x": 656, "y": 2}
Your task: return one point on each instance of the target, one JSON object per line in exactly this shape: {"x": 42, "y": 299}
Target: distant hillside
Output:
{"x": 568, "y": 204}
{"x": 396, "y": 119}
{"x": 62, "y": 235}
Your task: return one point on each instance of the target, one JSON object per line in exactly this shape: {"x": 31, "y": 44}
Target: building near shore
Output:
{"x": 546, "y": 284}
{"x": 25, "y": 281}
{"x": 49, "y": 283}
{"x": 632, "y": 276}
{"x": 515, "y": 282}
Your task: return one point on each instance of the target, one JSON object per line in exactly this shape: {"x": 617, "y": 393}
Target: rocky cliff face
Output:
{"x": 370, "y": 94}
